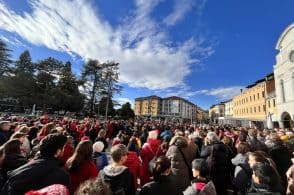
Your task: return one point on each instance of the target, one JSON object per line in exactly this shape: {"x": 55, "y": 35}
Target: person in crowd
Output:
{"x": 260, "y": 156}
{"x": 93, "y": 187}
{"x": 133, "y": 162}
{"x": 80, "y": 164}
{"x": 5, "y": 132}
{"x": 201, "y": 185}
{"x": 43, "y": 171}
{"x": 290, "y": 177}
{"x": 282, "y": 158}
{"x": 181, "y": 155}
{"x": 242, "y": 173}
{"x": 149, "y": 151}
{"x": 163, "y": 182}
{"x": 265, "y": 180}
{"x": 99, "y": 157}
{"x": 26, "y": 146}
{"x": 12, "y": 158}
{"x": 68, "y": 149}
{"x": 216, "y": 154}
{"x": 102, "y": 137}
{"x": 254, "y": 143}
{"x": 116, "y": 175}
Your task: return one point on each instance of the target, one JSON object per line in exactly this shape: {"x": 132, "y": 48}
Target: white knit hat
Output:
{"x": 98, "y": 146}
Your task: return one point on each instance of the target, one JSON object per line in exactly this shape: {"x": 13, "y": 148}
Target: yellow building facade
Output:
{"x": 148, "y": 106}
{"x": 250, "y": 105}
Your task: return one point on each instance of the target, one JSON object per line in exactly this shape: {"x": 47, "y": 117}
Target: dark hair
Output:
{"x": 201, "y": 166}
{"x": 93, "y": 187}
{"x": 162, "y": 163}
{"x": 12, "y": 147}
{"x": 51, "y": 143}
{"x": 82, "y": 153}
{"x": 242, "y": 137}
{"x": 243, "y": 148}
{"x": 267, "y": 175}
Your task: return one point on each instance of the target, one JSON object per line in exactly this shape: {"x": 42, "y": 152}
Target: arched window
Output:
{"x": 282, "y": 90}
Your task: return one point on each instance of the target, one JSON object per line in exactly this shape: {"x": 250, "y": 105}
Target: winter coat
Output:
{"x": 146, "y": 155}
{"x": 178, "y": 165}
{"x": 35, "y": 175}
{"x": 11, "y": 162}
{"x": 133, "y": 163}
{"x": 86, "y": 171}
{"x": 4, "y": 136}
{"x": 218, "y": 163}
{"x": 164, "y": 185}
{"x": 255, "y": 145}
{"x": 242, "y": 175}
{"x": 282, "y": 158}
{"x": 199, "y": 188}
{"x": 67, "y": 152}
{"x": 119, "y": 178}
{"x": 100, "y": 159}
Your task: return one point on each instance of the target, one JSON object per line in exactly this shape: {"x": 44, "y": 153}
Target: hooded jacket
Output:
{"x": 206, "y": 189}
{"x": 119, "y": 179}
{"x": 178, "y": 165}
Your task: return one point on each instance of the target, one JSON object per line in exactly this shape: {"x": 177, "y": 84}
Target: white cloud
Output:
{"x": 221, "y": 93}
{"x": 142, "y": 48}
{"x": 181, "y": 8}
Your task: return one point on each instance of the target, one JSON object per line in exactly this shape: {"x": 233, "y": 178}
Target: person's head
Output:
{"x": 93, "y": 187}
{"x": 52, "y": 145}
{"x": 24, "y": 129}
{"x": 252, "y": 133}
{"x": 162, "y": 166}
{"x": 243, "y": 148}
{"x": 102, "y": 133}
{"x": 4, "y": 125}
{"x": 265, "y": 175}
{"x": 98, "y": 146}
{"x": 212, "y": 137}
{"x": 200, "y": 168}
{"x": 119, "y": 153}
{"x": 70, "y": 140}
{"x": 19, "y": 136}
{"x": 227, "y": 140}
{"x": 82, "y": 153}
{"x": 12, "y": 147}
{"x": 259, "y": 156}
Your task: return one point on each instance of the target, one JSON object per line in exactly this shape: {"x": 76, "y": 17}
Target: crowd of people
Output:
{"x": 50, "y": 155}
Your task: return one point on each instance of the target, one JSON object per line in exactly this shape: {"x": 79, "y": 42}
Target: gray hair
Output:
{"x": 211, "y": 136}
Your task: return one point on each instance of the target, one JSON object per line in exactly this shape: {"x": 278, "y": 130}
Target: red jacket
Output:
{"x": 86, "y": 171}
{"x": 133, "y": 163}
{"x": 67, "y": 152}
{"x": 146, "y": 155}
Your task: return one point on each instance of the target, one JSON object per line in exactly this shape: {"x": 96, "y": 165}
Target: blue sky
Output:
{"x": 202, "y": 50}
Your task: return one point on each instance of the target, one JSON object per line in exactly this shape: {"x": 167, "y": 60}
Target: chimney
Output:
{"x": 241, "y": 90}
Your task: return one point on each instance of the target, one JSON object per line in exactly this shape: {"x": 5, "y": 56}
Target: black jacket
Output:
{"x": 35, "y": 175}
{"x": 11, "y": 162}
{"x": 164, "y": 185}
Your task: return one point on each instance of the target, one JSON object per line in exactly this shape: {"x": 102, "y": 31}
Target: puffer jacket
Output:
{"x": 198, "y": 188}
{"x": 178, "y": 165}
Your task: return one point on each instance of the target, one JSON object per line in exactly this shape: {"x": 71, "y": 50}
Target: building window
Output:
{"x": 263, "y": 108}
{"x": 250, "y": 98}
{"x": 263, "y": 94}
{"x": 269, "y": 103}
{"x": 258, "y": 108}
{"x": 254, "y": 109}
{"x": 282, "y": 90}
{"x": 258, "y": 96}
{"x": 274, "y": 102}
{"x": 254, "y": 97}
